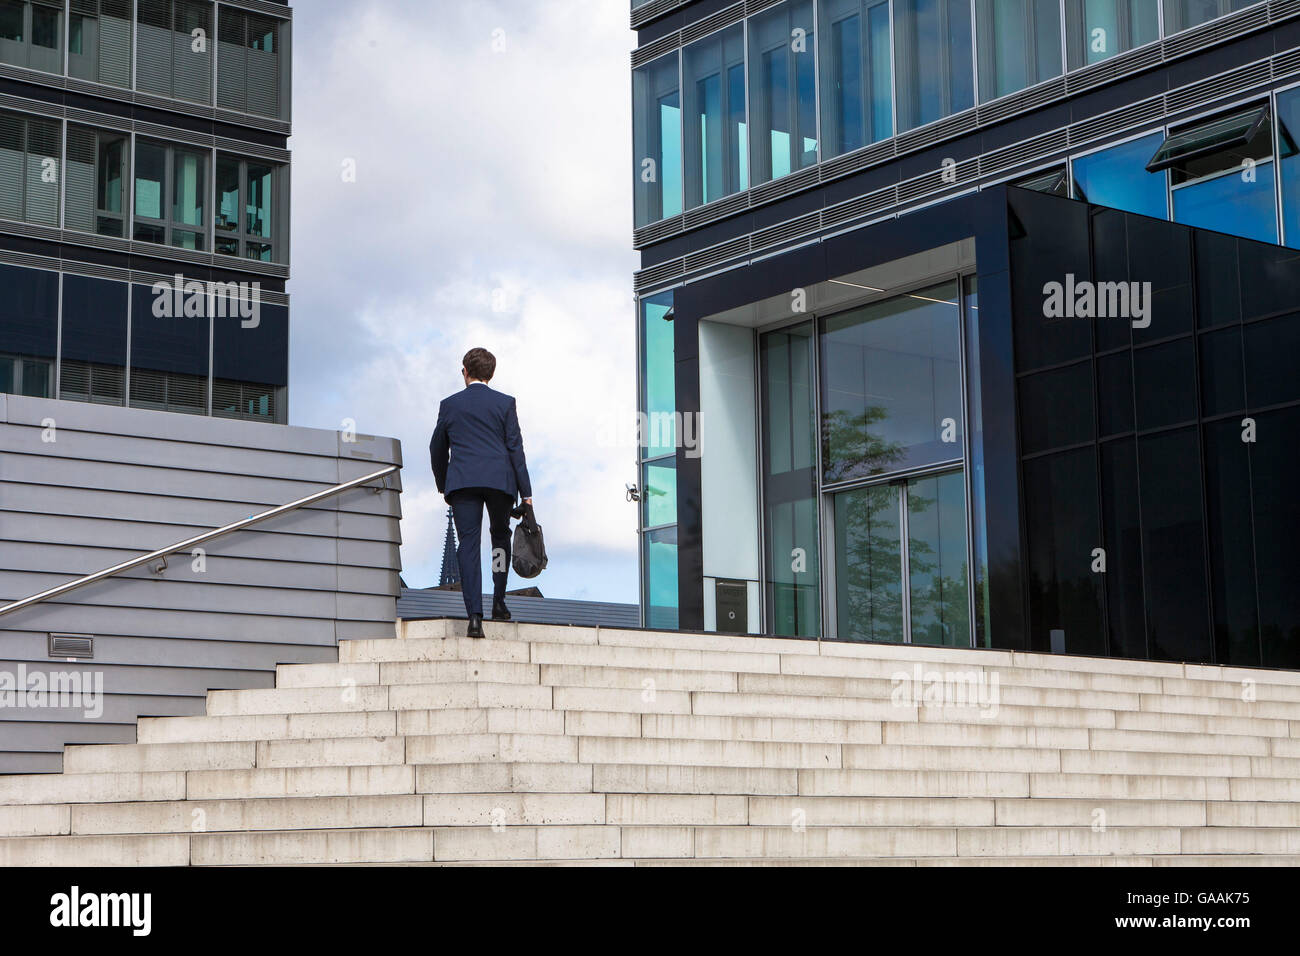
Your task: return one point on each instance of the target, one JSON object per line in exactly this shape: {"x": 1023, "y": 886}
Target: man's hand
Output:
{"x": 529, "y": 502}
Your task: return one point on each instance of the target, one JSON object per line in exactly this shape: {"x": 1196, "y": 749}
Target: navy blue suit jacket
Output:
{"x": 477, "y": 443}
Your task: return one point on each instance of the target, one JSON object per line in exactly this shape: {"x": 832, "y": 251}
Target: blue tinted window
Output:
{"x": 658, "y": 380}
{"x": 1117, "y": 177}
{"x": 1232, "y": 203}
{"x": 714, "y": 114}
{"x": 1019, "y": 44}
{"x": 856, "y": 75}
{"x": 1098, "y": 29}
{"x": 935, "y": 75}
{"x": 891, "y": 385}
{"x": 657, "y": 141}
{"x": 1184, "y": 14}
{"x": 659, "y": 493}
{"x": 789, "y": 432}
{"x": 1288, "y": 153}
{"x": 661, "y": 578}
{"x": 782, "y": 76}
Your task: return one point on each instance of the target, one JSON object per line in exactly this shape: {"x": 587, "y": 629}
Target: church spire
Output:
{"x": 450, "y": 565}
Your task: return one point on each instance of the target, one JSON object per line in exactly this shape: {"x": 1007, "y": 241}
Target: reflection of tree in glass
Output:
{"x": 872, "y": 573}
{"x": 871, "y": 569}
{"x": 940, "y": 612}
{"x": 850, "y": 448}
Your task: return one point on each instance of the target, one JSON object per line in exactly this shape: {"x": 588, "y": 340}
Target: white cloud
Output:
{"x": 492, "y": 207}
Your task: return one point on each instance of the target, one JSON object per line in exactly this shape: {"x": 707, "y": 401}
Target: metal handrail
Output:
{"x": 197, "y": 540}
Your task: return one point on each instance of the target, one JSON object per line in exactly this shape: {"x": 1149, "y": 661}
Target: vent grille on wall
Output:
{"x": 78, "y": 646}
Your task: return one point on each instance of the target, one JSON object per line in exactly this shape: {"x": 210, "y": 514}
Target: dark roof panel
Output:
{"x": 416, "y": 604}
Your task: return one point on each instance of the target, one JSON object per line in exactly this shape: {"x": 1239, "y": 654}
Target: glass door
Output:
{"x": 900, "y": 553}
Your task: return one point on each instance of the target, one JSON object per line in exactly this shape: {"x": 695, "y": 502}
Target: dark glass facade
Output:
{"x": 1148, "y": 454}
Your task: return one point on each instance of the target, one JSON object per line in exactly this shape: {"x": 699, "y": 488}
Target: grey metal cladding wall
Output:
{"x": 115, "y": 483}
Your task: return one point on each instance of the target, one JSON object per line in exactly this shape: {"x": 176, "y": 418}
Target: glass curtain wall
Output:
{"x": 657, "y": 140}
{"x": 783, "y": 90}
{"x": 1155, "y": 518}
{"x": 1221, "y": 174}
{"x": 1184, "y": 14}
{"x": 1288, "y": 157}
{"x": 891, "y": 403}
{"x": 933, "y": 69}
{"x": 793, "y": 587}
{"x": 657, "y": 441}
{"x": 715, "y": 140}
{"x": 1019, "y": 44}
{"x": 816, "y": 79}
{"x": 857, "y": 88}
{"x": 891, "y": 386}
{"x": 1117, "y": 177}
{"x": 1096, "y": 30}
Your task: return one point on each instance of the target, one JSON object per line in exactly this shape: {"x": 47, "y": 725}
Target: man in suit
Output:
{"x": 477, "y": 453}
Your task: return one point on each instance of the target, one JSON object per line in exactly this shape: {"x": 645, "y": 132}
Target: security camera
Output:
{"x": 633, "y": 493}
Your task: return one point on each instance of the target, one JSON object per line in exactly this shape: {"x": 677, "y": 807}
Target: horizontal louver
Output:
{"x": 88, "y": 382}
{"x": 115, "y": 43}
{"x": 192, "y": 68}
{"x": 11, "y": 166}
{"x": 74, "y": 381}
{"x": 263, "y": 83}
{"x": 231, "y": 62}
{"x": 79, "y": 197}
{"x": 42, "y": 191}
{"x": 169, "y": 391}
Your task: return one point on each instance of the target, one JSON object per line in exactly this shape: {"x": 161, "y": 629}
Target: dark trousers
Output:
{"x": 467, "y": 506}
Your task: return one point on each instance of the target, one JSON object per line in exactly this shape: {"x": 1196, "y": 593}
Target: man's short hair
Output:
{"x": 480, "y": 364}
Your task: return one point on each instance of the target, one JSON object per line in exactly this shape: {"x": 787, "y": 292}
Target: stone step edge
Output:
{"x": 454, "y": 628}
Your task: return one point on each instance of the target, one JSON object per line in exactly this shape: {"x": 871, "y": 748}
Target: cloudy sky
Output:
{"x": 491, "y": 207}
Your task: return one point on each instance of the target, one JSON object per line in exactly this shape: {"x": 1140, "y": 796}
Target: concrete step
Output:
{"x": 712, "y": 753}
{"x": 35, "y": 820}
{"x": 90, "y": 787}
{"x": 1055, "y": 728}
{"x": 1122, "y": 786}
{"x": 211, "y": 816}
{"x": 406, "y": 672}
{"x": 267, "y": 782}
{"x": 154, "y": 849}
{"x": 805, "y": 649}
{"x": 299, "y": 847}
{"x": 583, "y": 746}
{"x": 151, "y": 758}
{"x": 1035, "y": 861}
{"x": 165, "y": 730}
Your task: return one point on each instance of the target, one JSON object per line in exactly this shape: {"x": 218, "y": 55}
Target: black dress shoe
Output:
{"x": 475, "y": 626}
{"x": 499, "y": 611}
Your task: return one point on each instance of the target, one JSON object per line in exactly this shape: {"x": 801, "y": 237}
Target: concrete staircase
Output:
{"x": 555, "y": 744}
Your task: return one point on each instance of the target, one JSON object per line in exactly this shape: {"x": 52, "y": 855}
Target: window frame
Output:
{"x": 167, "y": 202}
{"x": 28, "y": 39}
{"x": 25, "y": 123}
{"x": 18, "y": 364}
{"x": 240, "y": 234}
{"x": 694, "y": 165}
{"x": 1262, "y": 117}
{"x": 126, "y": 169}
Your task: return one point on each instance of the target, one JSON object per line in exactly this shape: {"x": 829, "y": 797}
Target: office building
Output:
{"x": 971, "y": 322}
